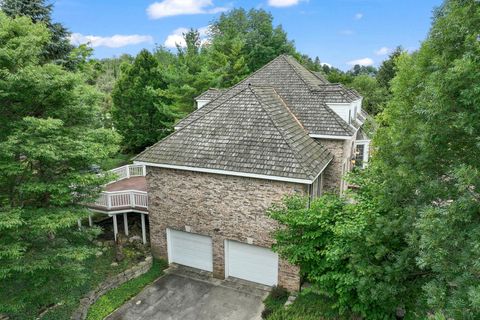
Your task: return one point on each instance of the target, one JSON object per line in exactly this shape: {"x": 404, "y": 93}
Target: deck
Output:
{"x": 127, "y": 193}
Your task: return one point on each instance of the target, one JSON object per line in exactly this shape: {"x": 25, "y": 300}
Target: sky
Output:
{"x": 340, "y": 32}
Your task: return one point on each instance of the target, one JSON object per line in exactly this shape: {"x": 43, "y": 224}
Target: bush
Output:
{"x": 308, "y": 306}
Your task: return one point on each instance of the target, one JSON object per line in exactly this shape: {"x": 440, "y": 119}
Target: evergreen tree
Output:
{"x": 142, "y": 111}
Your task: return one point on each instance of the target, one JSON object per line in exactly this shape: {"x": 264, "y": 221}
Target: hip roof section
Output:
{"x": 253, "y": 131}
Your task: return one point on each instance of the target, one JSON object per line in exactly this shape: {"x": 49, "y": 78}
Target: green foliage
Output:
{"x": 409, "y": 238}
{"x": 142, "y": 112}
{"x": 374, "y": 95}
{"x": 58, "y": 48}
{"x": 49, "y": 139}
{"x": 251, "y": 35}
{"x": 387, "y": 70}
{"x": 188, "y": 73}
{"x": 274, "y": 301}
{"x": 308, "y": 306}
{"x": 118, "y": 296}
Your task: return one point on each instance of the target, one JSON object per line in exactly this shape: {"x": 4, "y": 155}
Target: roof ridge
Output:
{"x": 287, "y": 140}
{"x": 296, "y": 71}
{"x": 181, "y": 129}
{"x": 231, "y": 88}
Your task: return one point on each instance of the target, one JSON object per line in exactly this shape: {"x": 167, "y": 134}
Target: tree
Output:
{"x": 188, "y": 74}
{"x": 252, "y": 35}
{"x": 387, "y": 70}
{"x": 59, "y": 47}
{"x": 374, "y": 96}
{"x": 408, "y": 242}
{"x": 50, "y": 138}
{"x": 141, "y": 111}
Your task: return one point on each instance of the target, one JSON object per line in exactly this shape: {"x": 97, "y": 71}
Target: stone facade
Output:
{"x": 342, "y": 151}
{"x": 220, "y": 206}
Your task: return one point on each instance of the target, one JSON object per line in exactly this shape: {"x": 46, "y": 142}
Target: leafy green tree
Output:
{"x": 409, "y": 241}
{"x": 374, "y": 95}
{"x": 49, "y": 140}
{"x": 189, "y": 74}
{"x": 141, "y": 110}
{"x": 58, "y": 48}
{"x": 252, "y": 35}
{"x": 387, "y": 70}
{"x": 230, "y": 63}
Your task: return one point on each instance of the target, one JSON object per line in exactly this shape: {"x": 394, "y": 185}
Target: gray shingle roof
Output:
{"x": 210, "y": 94}
{"x": 253, "y": 131}
{"x": 305, "y": 93}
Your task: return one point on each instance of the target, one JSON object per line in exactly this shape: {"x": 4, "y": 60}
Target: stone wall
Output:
{"x": 110, "y": 284}
{"x": 220, "y": 206}
{"x": 342, "y": 154}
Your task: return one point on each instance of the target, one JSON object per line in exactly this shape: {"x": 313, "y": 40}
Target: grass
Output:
{"x": 308, "y": 306}
{"x": 117, "y": 161}
{"x": 274, "y": 301}
{"x": 118, "y": 296}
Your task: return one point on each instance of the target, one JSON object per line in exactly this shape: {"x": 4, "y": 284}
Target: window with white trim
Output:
{"x": 361, "y": 153}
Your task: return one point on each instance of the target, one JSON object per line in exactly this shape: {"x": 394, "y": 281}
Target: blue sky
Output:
{"x": 339, "y": 32}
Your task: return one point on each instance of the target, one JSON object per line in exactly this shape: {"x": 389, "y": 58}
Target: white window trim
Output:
{"x": 366, "y": 151}
{"x": 326, "y": 136}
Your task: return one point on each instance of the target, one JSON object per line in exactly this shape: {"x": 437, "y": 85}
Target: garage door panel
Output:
{"x": 252, "y": 263}
{"x": 190, "y": 249}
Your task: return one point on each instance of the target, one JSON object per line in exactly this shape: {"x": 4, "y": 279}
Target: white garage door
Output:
{"x": 251, "y": 263}
{"x": 190, "y": 249}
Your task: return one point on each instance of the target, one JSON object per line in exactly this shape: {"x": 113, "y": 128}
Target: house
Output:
{"x": 283, "y": 130}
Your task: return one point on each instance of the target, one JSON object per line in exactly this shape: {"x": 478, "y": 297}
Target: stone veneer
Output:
{"x": 220, "y": 206}
{"x": 342, "y": 151}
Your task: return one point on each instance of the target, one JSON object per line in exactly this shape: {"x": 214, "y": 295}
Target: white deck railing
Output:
{"x": 122, "y": 199}
{"x": 112, "y": 200}
{"x": 128, "y": 171}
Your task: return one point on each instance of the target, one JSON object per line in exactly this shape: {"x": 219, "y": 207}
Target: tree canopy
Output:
{"x": 408, "y": 243}
{"x": 50, "y": 137}
{"x": 40, "y": 11}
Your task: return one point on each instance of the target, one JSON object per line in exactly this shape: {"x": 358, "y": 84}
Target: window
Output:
{"x": 349, "y": 116}
{"x": 361, "y": 153}
{"x": 316, "y": 188}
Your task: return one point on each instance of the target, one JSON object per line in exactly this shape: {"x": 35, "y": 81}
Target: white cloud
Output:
{"x": 168, "y": 8}
{"x": 358, "y": 16}
{"x": 282, "y": 3}
{"x": 362, "y": 62}
{"x": 347, "y": 32}
{"x": 115, "y": 41}
{"x": 382, "y": 51}
{"x": 176, "y": 37}
{"x": 326, "y": 64}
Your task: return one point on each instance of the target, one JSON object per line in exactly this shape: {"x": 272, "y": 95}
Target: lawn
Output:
{"x": 118, "y": 296}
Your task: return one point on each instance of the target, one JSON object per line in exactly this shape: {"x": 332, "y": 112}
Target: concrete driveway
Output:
{"x": 176, "y": 296}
